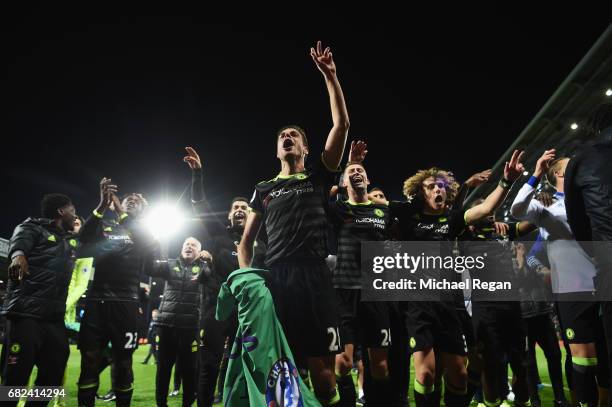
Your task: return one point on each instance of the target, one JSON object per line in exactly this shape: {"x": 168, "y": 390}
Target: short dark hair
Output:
{"x": 50, "y": 204}
{"x": 239, "y": 198}
{"x": 299, "y": 130}
{"x": 376, "y": 189}
{"x": 600, "y": 118}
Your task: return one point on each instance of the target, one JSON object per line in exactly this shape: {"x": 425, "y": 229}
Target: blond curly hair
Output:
{"x": 413, "y": 185}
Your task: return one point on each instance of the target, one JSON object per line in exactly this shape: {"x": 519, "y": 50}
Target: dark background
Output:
{"x": 120, "y": 97}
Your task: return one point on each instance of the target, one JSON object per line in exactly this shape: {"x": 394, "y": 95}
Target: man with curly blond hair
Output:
{"x": 434, "y": 326}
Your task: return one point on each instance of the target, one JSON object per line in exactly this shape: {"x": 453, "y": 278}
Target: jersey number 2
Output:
{"x": 132, "y": 339}
{"x": 334, "y": 345}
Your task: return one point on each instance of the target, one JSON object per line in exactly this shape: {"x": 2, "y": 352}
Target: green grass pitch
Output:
{"x": 144, "y": 384}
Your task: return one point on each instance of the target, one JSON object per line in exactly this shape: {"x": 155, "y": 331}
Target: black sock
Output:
{"x": 124, "y": 397}
{"x": 454, "y": 397}
{"x": 379, "y": 393}
{"x": 346, "y": 388}
{"x": 424, "y": 396}
{"x": 87, "y": 394}
{"x": 584, "y": 370}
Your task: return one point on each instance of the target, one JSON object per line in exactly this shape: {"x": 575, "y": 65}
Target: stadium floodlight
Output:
{"x": 609, "y": 92}
{"x": 574, "y": 126}
{"x": 164, "y": 221}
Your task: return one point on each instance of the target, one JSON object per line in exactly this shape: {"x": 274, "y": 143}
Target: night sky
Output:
{"x": 120, "y": 97}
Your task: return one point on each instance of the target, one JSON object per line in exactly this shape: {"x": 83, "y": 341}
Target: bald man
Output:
{"x": 178, "y": 319}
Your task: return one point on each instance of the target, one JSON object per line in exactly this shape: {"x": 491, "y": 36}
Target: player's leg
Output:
{"x": 53, "y": 356}
{"x": 123, "y": 322}
{"x": 399, "y": 356}
{"x": 376, "y": 337}
{"x": 452, "y": 354}
{"x": 166, "y": 354}
{"x": 347, "y": 310}
{"x": 186, "y": 358}
{"x": 210, "y": 352}
{"x": 515, "y": 342}
{"x": 93, "y": 339}
{"x": 24, "y": 341}
{"x": 579, "y": 319}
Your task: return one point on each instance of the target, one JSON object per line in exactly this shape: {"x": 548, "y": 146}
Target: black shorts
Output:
{"x": 434, "y": 325}
{"x": 363, "y": 322}
{"x": 109, "y": 321}
{"x": 499, "y": 329}
{"x": 305, "y": 303}
{"x": 580, "y": 321}
{"x": 467, "y": 327}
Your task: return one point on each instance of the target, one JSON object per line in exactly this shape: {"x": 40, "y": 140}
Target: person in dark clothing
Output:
{"x": 222, "y": 253}
{"x": 42, "y": 252}
{"x": 434, "y": 327}
{"x": 177, "y": 322}
{"x": 152, "y": 338}
{"x": 588, "y": 204}
{"x": 122, "y": 249}
{"x": 366, "y": 323}
{"x": 537, "y": 316}
{"x": 292, "y": 208}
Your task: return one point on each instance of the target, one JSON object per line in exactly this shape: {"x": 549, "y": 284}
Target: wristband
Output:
{"x": 533, "y": 181}
{"x": 504, "y": 183}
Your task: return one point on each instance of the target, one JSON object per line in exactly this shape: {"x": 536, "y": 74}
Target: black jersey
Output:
{"x": 294, "y": 209}
{"x": 123, "y": 252}
{"x": 498, "y": 249}
{"x": 355, "y": 223}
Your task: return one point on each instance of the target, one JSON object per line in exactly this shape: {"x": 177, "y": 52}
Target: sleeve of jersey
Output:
{"x": 525, "y": 207}
{"x": 536, "y": 249}
{"x": 457, "y": 223}
{"x": 24, "y": 238}
{"x": 256, "y": 203}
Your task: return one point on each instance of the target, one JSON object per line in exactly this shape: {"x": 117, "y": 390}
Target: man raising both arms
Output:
{"x": 292, "y": 206}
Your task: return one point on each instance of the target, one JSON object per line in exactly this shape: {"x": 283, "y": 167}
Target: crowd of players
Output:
{"x": 308, "y": 213}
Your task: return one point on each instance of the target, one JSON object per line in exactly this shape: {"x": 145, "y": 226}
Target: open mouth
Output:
{"x": 239, "y": 215}
{"x": 439, "y": 199}
{"x": 288, "y": 144}
{"x": 357, "y": 179}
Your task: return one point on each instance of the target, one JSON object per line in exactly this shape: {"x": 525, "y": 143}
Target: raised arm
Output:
{"x": 334, "y": 146}
{"x": 245, "y": 248}
{"x": 198, "y": 199}
{"x": 512, "y": 170}
{"x": 524, "y": 206}
{"x": 91, "y": 230}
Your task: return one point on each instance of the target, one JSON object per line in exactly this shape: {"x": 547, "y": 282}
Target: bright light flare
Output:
{"x": 164, "y": 221}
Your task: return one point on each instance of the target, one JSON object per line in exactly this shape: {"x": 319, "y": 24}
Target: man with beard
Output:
{"x": 177, "y": 321}
{"x": 42, "y": 253}
{"x": 293, "y": 206}
{"x": 222, "y": 253}
{"x": 122, "y": 249}
{"x": 364, "y": 323}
